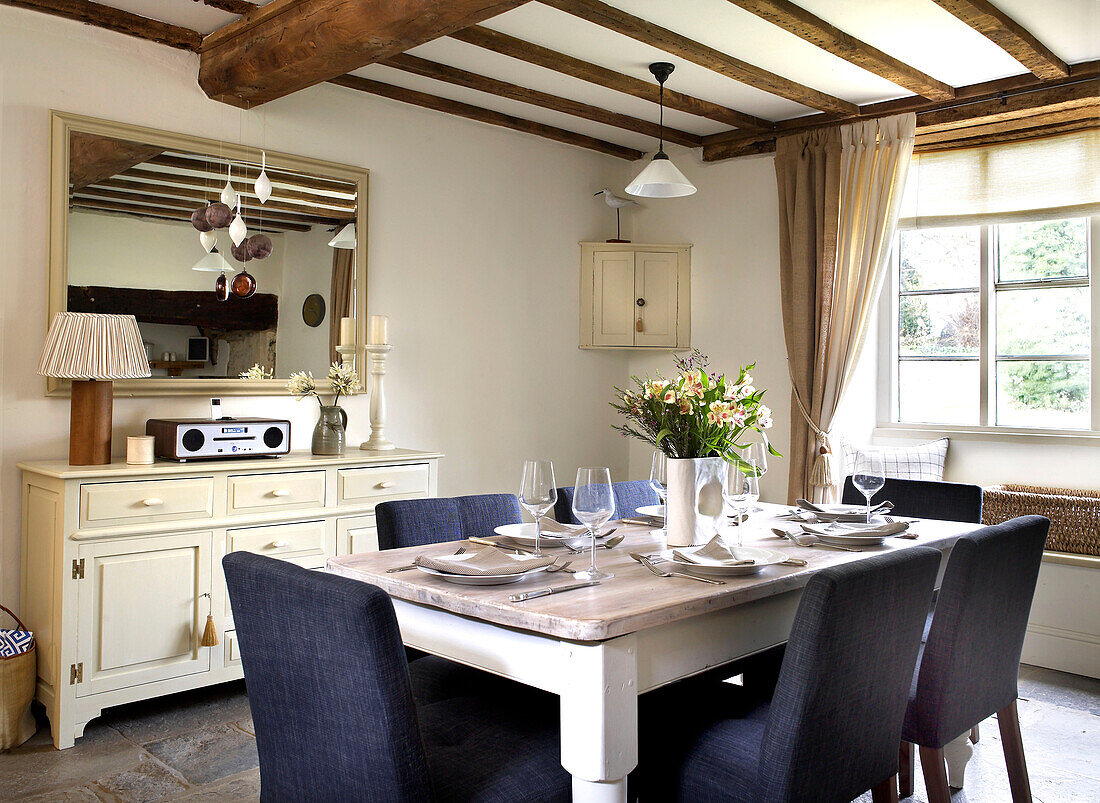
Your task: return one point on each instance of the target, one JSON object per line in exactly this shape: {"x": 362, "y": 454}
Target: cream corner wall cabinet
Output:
{"x": 121, "y": 563}
{"x": 635, "y": 295}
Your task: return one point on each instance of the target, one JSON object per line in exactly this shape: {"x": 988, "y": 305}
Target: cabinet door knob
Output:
{"x": 153, "y": 501}
{"x": 387, "y": 484}
{"x": 280, "y": 544}
{"x": 280, "y": 492}
{"x": 640, "y": 302}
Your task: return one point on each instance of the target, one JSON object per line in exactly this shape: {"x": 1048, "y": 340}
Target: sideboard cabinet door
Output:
{"x": 141, "y": 615}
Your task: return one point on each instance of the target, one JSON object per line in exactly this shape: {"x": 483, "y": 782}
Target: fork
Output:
{"x": 642, "y": 559}
{"x": 611, "y": 543}
{"x": 563, "y": 567}
{"x": 461, "y": 550}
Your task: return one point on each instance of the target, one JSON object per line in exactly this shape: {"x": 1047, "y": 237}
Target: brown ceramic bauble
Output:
{"x": 221, "y": 287}
{"x": 199, "y": 221}
{"x": 218, "y": 215}
{"x": 244, "y": 285}
{"x": 259, "y": 246}
{"x": 241, "y": 252}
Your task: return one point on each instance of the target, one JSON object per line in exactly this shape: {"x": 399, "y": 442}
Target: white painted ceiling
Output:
{"x": 918, "y": 32}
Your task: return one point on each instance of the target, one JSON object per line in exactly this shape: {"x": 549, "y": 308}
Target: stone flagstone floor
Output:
{"x": 200, "y": 746}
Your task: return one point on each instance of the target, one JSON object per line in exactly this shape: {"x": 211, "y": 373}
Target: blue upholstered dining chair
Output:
{"x": 969, "y": 665}
{"x": 629, "y": 496}
{"x": 417, "y": 522}
{"x": 334, "y": 711}
{"x": 924, "y": 499}
{"x": 827, "y": 733}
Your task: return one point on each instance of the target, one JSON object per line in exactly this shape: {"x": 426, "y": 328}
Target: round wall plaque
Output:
{"x": 313, "y": 309}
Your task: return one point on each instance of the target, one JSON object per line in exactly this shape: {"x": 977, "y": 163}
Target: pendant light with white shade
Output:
{"x": 212, "y": 262}
{"x": 661, "y": 178}
{"x": 345, "y": 238}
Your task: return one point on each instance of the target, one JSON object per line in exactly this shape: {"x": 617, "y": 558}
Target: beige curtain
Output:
{"x": 839, "y": 197}
{"x": 343, "y": 272}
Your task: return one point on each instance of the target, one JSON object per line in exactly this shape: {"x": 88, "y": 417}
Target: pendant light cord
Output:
{"x": 661, "y": 119}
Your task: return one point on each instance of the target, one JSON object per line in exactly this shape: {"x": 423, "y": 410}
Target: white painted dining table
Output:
{"x": 599, "y": 648}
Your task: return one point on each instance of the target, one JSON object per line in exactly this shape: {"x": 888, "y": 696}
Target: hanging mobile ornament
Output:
{"x": 208, "y": 239}
{"x": 229, "y": 195}
{"x": 221, "y": 287}
{"x": 263, "y": 183}
{"x": 237, "y": 229}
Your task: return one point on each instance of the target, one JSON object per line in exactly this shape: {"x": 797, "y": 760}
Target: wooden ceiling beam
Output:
{"x": 136, "y": 191}
{"x": 485, "y": 115}
{"x": 601, "y": 76}
{"x": 167, "y": 213}
{"x": 216, "y": 184}
{"x": 93, "y": 158}
{"x": 239, "y": 7}
{"x": 251, "y": 172}
{"x": 1013, "y": 130}
{"x": 1009, "y": 35}
{"x": 114, "y": 19}
{"x": 334, "y": 207}
{"x": 482, "y": 83}
{"x": 250, "y": 214}
{"x": 990, "y": 102}
{"x": 671, "y": 42}
{"x": 797, "y": 20}
{"x": 288, "y": 45}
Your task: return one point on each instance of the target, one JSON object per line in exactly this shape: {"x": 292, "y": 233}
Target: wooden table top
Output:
{"x": 634, "y": 599}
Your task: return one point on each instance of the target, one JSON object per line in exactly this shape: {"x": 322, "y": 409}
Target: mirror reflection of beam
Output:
{"x": 134, "y": 210}
{"x": 216, "y": 185}
{"x": 251, "y": 172}
{"x": 251, "y": 211}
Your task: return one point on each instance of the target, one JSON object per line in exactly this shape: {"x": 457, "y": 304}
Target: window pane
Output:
{"x": 1043, "y": 394}
{"x": 938, "y": 392}
{"x": 1043, "y": 249}
{"x": 939, "y": 324}
{"x": 1050, "y": 320}
{"x": 940, "y": 259}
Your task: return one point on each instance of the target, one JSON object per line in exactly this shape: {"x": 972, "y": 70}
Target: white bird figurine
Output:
{"x": 616, "y": 202}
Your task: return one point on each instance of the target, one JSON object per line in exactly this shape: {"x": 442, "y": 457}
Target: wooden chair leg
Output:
{"x": 1008, "y": 720}
{"x": 907, "y": 760}
{"x": 975, "y": 734}
{"x": 935, "y": 775}
{"x": 885, "y": 791}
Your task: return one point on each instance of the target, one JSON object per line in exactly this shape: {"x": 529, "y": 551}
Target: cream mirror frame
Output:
{"x": 63, "y": 124}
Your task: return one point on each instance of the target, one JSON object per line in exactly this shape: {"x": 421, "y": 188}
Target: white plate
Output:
{"x": 850, "y": 538}
{"x": 490, "y": 580}
{"x": 763, "y": 558}
{"x": 656, "y": 511}
{"x": 846, "y": 513}
{"x": 525, "y": 533}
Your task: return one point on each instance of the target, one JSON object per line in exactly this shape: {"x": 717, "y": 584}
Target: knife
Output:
{"x": 542, "y": 592}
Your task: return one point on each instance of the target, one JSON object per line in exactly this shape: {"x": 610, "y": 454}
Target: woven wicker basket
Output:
{"x": 1074, "y": 514}
{"x": 17, "y": 674}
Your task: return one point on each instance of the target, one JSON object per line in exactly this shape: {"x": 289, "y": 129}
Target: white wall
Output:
{"x": 472, "y": 252}
{"x": 733, "y": 223}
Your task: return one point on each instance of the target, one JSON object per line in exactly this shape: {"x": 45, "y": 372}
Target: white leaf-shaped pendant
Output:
{"x": 229, "y": 195}
{"x": 208, "y": 239}
{"x": 263, "y": 183}
{"x": 237, "y": 230}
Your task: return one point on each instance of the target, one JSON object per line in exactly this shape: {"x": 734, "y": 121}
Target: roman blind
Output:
{"x": 1052, "y": 177}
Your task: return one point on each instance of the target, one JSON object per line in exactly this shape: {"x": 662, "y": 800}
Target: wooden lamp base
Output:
{"x": 90, "y": 422}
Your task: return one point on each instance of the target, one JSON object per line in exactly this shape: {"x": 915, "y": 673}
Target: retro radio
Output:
{"x": 202, "y": 438}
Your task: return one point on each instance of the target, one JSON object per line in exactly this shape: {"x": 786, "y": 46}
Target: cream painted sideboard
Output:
{"x": 121, "y": 563}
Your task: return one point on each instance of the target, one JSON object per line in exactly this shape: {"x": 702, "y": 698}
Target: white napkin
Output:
{"x": 890, "y": 528}
{"x": 549, "y": 525}
{"x": 483, "y": 563}
{"x": 714, "y": 552}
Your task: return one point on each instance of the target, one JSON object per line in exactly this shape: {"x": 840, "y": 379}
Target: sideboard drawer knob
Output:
{"x": 282, "y": 543}
{"x": 153, "y": 501}
{"x": 280, "y": 492}
{"x": 387, "y": 484}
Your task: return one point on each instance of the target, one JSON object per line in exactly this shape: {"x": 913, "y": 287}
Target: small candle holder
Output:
{"x": 347, "y": 355}
{"x": 377, "y": 441}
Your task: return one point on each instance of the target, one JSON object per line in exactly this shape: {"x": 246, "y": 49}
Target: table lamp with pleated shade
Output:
{"x": 92, "y": 350}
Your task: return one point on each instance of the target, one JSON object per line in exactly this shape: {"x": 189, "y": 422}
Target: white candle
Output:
{"x": 347, "y": 331}
{"x": 139, "y": 450}
{"x": 379, "y": 330}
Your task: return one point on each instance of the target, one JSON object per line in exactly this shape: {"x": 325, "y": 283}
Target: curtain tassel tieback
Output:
{"x": 821, "y": 476}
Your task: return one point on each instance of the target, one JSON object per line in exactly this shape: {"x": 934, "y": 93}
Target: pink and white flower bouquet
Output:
{"x": 696, "y": 414}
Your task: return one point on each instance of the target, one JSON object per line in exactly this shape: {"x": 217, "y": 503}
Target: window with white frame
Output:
{"x": 992, "y": 324}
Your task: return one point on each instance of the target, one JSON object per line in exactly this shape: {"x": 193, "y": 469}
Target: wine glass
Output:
{"x": 658, "y": 480}
{"x": 741, "y": 489}
{"x": 868, "y": 476}
{"x": 537, "y": 493}
{"x": 593, "y": 505}
{"x": 758, "y": 452}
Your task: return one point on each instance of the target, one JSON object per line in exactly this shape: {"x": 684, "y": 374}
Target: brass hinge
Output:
{"x": 76, "y": 674}
{"x": 78, "y": 568}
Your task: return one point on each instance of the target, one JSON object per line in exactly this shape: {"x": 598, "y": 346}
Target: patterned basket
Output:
{"x": 1074, "y": 514}
{"x": 17, "y": 675}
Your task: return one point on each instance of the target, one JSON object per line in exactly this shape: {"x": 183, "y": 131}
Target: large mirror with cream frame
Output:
{"x": 134, "y": 229}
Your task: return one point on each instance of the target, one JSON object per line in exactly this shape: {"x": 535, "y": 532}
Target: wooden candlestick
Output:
{"x": 377, "y": 441}
{"x": 92, "y": 406}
